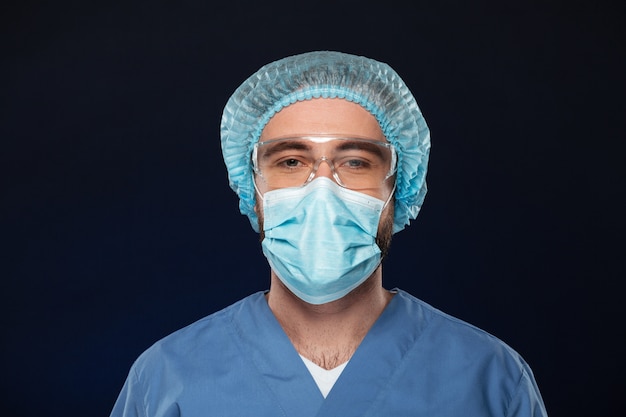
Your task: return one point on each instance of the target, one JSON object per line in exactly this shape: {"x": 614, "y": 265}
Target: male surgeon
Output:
{"x": 328, "y": 153}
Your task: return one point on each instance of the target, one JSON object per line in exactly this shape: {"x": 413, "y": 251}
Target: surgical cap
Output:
{"x": 327, "y": 74}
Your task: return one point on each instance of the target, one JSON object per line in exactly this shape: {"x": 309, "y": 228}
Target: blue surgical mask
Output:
{"x": 320, "y": 239}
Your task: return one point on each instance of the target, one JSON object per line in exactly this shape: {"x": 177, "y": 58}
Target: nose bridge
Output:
{"x": 324, "y": 167}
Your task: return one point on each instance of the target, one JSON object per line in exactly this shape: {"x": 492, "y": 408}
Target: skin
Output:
{"x": 328, "y": 334}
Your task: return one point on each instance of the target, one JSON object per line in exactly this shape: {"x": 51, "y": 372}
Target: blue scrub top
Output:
{"x": 414, "y": 361}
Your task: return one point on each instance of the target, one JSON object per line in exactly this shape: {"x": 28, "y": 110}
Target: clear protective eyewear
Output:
{"x": 355, "y": 163}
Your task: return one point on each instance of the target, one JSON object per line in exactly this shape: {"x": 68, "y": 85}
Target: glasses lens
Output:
{"x": 354, "y": 163}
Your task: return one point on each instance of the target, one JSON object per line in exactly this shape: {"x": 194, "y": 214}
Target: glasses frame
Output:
{"x": 323, "y": 139}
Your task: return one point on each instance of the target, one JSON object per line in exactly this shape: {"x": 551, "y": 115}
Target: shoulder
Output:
{"x": 444, "y": 323}
{"x": 207, "y": 336}
{"x": 470, "y": 370}
{"x": 455, "y": 340}
{"x": 191, "y": 364}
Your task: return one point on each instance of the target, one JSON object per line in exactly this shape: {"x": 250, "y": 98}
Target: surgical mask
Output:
{"x": 320, "y": 239}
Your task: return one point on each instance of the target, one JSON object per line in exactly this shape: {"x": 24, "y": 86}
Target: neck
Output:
{"x": 328, "y": 334}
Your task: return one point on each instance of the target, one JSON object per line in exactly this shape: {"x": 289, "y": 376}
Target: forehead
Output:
{"x": 323, "y": 116}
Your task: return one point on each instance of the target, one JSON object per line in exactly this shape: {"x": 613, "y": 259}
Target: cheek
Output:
{"x": 260, "y": 185}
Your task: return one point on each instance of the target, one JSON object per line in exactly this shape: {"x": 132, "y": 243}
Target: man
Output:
{"x": 328, "y": 153}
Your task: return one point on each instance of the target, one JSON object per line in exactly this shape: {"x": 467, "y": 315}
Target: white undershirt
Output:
{"x": 324, "y": 378}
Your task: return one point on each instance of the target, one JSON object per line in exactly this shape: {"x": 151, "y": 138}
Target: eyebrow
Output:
{"x": 364, "y": 146}
{"x": 286, "y": 145}
{"x": 304, "y": 145}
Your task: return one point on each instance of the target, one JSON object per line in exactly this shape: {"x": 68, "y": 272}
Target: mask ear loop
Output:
{"x": 256, "y": 188}
{"x": 393, "y": 190}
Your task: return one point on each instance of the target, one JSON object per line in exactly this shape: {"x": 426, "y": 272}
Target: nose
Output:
{"x": 323, "y": 168}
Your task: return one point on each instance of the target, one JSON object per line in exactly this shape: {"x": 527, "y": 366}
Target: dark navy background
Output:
{"x": 118, "y": 225}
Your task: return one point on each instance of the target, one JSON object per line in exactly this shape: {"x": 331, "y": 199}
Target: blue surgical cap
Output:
{"x": 327, "y": 74}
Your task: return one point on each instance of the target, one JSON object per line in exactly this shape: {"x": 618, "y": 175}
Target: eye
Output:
{"x": 354, "y": 163}
{"x": 291, "y": 162}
